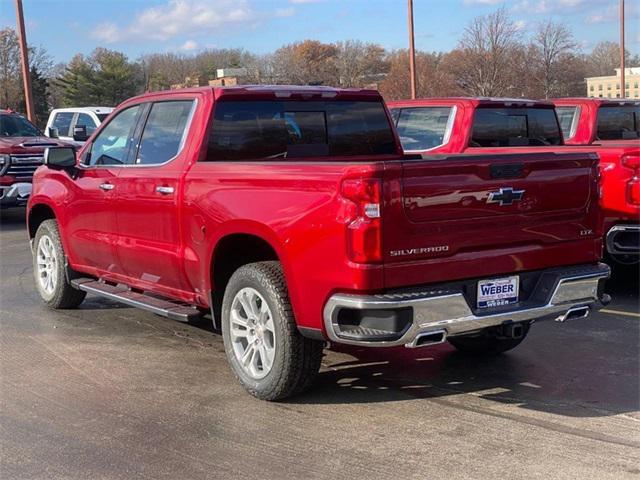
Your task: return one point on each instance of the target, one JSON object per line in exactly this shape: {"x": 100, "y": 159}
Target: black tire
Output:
{"x": 488, "y": 342}
{"x": 296, "y": 359}
{"x": 63, "y": 294}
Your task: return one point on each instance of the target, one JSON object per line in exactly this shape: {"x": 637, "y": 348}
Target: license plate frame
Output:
{"x": 498, "y": 292}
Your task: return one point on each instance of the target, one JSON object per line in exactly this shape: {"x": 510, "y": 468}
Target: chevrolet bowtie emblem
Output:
{"x": 505, "y": 196}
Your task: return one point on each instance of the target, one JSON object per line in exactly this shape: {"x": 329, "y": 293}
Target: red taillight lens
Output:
{"x": 364, "y": 233}
{"x": 632, "y": 161}
{"x": 633, "y": 191}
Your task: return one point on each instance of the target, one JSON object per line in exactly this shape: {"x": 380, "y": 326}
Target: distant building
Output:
{"x": 609, "y": 87}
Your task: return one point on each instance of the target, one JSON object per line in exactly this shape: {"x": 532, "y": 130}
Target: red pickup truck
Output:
{"x": 495, "y": 125}
{"x": 611, "y": 128}
{"x": 292, "y": 216}
{"x": 21, "y": 152}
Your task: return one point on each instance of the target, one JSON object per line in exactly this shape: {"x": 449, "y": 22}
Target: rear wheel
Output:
{"x": 264, "y": 348}
{"x": 491, "y": 341}
{"x": 49, "y": 264}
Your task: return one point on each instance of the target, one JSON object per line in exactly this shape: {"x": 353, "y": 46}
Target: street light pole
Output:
{"x": 412, "y": 52}
{"x": 24, "y": 55}
{"x": 622, "y": 89}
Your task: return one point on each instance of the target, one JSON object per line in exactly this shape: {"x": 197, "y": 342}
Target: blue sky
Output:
{"x": 142, "y": 26}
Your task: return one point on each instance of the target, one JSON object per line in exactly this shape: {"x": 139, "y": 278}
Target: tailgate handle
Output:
{"x": 513, "y": 170}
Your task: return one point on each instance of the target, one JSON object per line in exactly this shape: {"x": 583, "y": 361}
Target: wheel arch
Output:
{"x": 38, "y": 213}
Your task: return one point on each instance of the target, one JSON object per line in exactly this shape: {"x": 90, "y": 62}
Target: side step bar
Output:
{"x": 122, "y": 294}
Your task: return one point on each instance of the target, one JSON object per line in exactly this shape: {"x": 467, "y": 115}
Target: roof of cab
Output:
{"x": 84, "y": 109}
{"x": 470, "y": 101}
{"x": 595, "y": 101}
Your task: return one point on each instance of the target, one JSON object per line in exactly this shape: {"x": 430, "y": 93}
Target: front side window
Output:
{"x": 423, "y": 128}
{"x": 618, "y": 122}
{"x": 163, "y": 132}
{"x": 62, "y": 122}
{"x": 515, "y": 127}
{"x": 87, "y": 121}
{"x": 112, "y": 145}
{"x": 568, "y": 118}
{"x": 16, "y": 126}
{"x": 250, "y": 130}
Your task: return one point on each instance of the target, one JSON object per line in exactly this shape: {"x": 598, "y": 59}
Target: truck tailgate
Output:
{"x": 467, "y": 216}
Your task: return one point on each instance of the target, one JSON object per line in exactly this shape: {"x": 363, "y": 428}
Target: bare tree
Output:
{"x": 358, "y": 63}
{"x": 553, "y": 48}
{"x": 306, "y": 63}
{"x": 482, "y": 63}
{"x": 10, "y": 88}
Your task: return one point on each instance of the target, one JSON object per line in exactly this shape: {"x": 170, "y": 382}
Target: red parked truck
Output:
{"x": 21, "y": 152}
{"x": 495, "y": 125}
{"x": 291, "y": 214}
{"x": 612, "y": 127}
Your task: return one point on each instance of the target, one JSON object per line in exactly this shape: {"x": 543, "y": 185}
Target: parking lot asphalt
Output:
{"x": 111, "y": 392}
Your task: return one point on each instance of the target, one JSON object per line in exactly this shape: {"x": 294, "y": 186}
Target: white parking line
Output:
{"x": 620, "y": 312}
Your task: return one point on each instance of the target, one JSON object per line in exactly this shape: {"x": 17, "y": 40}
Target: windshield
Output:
{"x": 618, "y": 122}
{"x": 515, "y": 127}
{"x": 16, "y": 126}
{"x": 247, "y": 129}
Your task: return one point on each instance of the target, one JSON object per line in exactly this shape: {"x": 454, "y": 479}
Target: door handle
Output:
{"x": 106, "y": 186}
{"x": 165, "y": 190}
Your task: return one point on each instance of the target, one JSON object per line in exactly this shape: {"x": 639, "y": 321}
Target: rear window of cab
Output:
{"x": 618, "y": 122}
{"x": 515, "y": 127}
{"x": 259, "y": 130}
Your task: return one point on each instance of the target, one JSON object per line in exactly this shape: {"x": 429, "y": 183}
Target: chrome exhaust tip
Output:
{"x": 575, "y": 312}
{"x": 428, "y": 338}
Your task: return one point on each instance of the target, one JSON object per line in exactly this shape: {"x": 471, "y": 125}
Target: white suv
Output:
{"x": 67, "y": 123}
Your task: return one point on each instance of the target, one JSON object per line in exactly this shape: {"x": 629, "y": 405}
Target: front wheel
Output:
{"x": 491, "y": 341}
{"x": 264, "y": 348}
{"x": 49, "y": 269}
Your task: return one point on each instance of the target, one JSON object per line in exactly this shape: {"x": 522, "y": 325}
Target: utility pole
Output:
{"x": 622, "y": 89}
{"x": 26, "y": 76}
{"x": 412, "y": 52}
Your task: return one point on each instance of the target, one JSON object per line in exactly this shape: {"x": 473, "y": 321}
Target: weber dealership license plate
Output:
{"x": 498, "y": 292}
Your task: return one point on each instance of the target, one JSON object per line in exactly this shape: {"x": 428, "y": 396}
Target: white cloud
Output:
{"x": 189, "y": 45}
{"x": 520, "y": 25}
{"x": 482, "y": 2}
{"x": 179, "y": 17}
{"x": 549, "y": 6}
{"x": 285, "y": 12}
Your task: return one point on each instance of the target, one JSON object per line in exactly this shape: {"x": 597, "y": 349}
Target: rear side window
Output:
{"x": 164, "y": 131}
{"x": 618, "y": 122}
{"x": 62, "y": 122}
{"x": 568, "y": 118}
{"x": 423, "y": 128}
{"x": 515, "y": 127}
{"x": 251, "y": 130}
{"x": 87, "y": 121}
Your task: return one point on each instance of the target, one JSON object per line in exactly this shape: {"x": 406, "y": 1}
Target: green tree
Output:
{"x": 76, "y": 83}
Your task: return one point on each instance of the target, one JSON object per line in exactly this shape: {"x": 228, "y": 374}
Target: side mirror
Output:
{"x": 52, "y": 132}
{"x": 80, "y": 133}
{"x": 60, "y": 157}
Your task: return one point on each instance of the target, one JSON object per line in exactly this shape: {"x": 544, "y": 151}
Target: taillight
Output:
{"x": 632, "y": 161}
{"x": 364, "y": 232}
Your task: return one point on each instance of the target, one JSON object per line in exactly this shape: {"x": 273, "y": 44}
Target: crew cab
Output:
{"x": 22, "y": 148}
{"x": 291, "y": 215}
{"x": 75, "y": 125}
{"x": 611, "y": 128}
{"x": 474, "y": 125}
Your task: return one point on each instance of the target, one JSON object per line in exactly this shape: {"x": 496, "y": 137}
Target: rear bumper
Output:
{"x": 444, "y": 311}
{"x": 624, "y": 240}
{"x": 15, "y": 195}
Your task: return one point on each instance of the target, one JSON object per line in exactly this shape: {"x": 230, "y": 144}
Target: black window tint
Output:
{"x": 618, "y": 122}
{"x": 102, "y": 116}
{"x": 87, "y": 121}
{"x": 16, "y": 126}
{"x": 62, "y": 122}
{"x": 163, "y": 132}
{"x": 566, "y": 117}
{"x": 515, "y": 127}
{"x": 244, "y": 130}
{"x": 423, "y": 128}
{"x": 111, "y": 146}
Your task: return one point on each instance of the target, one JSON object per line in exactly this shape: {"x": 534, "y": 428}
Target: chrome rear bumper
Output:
{"x": 559, "y": 294}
